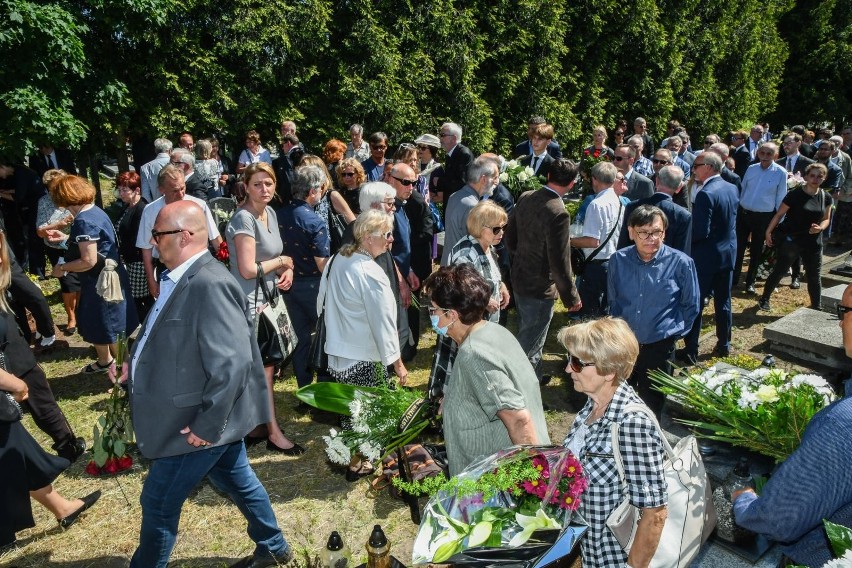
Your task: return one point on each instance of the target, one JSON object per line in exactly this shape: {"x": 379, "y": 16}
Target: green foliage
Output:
{"x": 507, "y": 477}
{"x": 840, "y": 538}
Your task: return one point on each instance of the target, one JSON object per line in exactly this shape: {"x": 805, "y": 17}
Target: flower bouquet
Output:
{"x": 382, "y": 418}
{"x": 519, "y": 178}
{"x": 764, "y": 410}
{"x": 499, "y": 502}
{"x": 113, "y": 433}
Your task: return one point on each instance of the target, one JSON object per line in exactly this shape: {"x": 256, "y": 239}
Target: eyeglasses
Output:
{"x": 387, "y": 236}
{"x": 658, "y": 161}
{"x": 377, "y": 148}
{"x": 496, "y": 230}
{"x": 433, "y": 309}
{"x": 157, "y": 234}
{"x": 696, "y": 164}
{"x": 621, "y": 158}
{"x": 620, "y": 179}
{"x": 841, "y": 310}
{"x": 389, "y": 202}
{"x": 444, "y": 135}
{"x": 577, "y": 365}
{"x": 647, "y": 235}
{"x": 405, "y": 182}
{"x": 423, "y": 147}
{"x": 348, "y": 174}
{"x": 176, "y": 163}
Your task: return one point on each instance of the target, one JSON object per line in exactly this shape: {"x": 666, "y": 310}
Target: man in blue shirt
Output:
{"x": 763, "y": 189}
{"x": 654, "y": 288}
{"x": 374, "y": 166}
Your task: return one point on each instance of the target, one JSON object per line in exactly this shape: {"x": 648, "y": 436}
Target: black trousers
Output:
{"x": 45, "y": 410}
{"x": 750, "y": 224}
{"x": 27, "y": 296}
{"x": 657, "y": 356}
{"x": 788, "y": 253}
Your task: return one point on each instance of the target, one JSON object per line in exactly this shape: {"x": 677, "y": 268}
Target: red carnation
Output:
{"x": 124, "y": 463}
{"x": 111, "y": 466}
{"x": 597, "y": 153}
{"x": 586, "y": 152}
{"x": 222, "y": 254}
{"x": 92, "y": 468}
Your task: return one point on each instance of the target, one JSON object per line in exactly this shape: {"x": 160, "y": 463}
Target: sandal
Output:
{"x": 96, "y": 367}
{"x": 364, "y": 469}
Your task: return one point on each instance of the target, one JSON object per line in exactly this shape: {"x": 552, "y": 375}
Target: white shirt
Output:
{"x": 540, "y": 159}
{"x": 149, "y": 216}
{"x": 601, "y": 216}
{"x": 167, "y": 286}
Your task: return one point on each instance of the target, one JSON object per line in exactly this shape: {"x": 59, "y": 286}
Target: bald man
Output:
{"x": 196, "y": 389}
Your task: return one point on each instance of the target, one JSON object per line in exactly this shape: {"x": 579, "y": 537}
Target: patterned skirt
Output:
{"x": 361, "y": 374}
{"x": 138, "y": 280}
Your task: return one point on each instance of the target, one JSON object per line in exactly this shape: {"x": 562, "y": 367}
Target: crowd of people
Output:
{"x": 351, "y": 237}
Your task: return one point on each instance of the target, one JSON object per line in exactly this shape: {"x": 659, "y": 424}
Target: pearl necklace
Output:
{"x": 364, "y": 252}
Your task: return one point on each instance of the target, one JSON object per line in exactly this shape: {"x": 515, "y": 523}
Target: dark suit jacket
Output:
{"x": 538, "y": 239}
{"x": 714, "y": 221}
{"x": 679, "y": 231}
{"x": 196, "y": 187}
{"x": 732, "y": 178}
{"x": 284, "y": 178}
{"x": 638, "y": 187}
{"x": 455, "y": 171}
{"x": 64, "y": 161}
{"x": 835, "y": 177}
{"x": 742, "y": 160}
{"x": 525, "y": 149}
{"x": 422, "y": 230}
{"x": 543, "y": 167}
{"x": 200, "y": 367}
{"x": 802, "y": 162}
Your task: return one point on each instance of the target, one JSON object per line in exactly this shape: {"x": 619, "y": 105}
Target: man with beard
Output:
{"x": 482, "y": 177}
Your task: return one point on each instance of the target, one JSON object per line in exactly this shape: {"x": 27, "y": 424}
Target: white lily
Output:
{"x": 541, "y": 520}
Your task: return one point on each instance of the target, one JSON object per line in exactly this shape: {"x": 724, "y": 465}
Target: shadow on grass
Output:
{"x": 42, "y": 560}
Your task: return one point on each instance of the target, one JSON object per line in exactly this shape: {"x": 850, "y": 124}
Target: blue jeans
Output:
{"x": 302, "y": 305}
{"x": 534, "y": 315}
{"x": 171, "y": 479}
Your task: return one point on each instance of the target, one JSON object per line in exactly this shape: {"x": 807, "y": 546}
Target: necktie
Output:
{"x": 535, "y": 163}
{"x": 789, "y": 164}
{"x": 47, "y": 161}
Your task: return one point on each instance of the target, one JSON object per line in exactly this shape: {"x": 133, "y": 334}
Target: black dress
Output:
{"x": 24, "y": 465}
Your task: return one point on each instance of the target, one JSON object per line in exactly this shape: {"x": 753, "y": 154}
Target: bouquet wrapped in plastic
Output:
{"x": 499, "y": 503}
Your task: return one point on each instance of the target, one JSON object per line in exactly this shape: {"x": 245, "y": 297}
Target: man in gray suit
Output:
{"x": 638, "y": 186}
{"x": 196, "y": 389}
{"x": 149, "y": 171}
{"x": 482, "y": 178}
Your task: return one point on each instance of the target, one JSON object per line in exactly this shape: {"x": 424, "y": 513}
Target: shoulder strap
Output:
{"x": 327, "y": 272}
{"x": 616, "y": 450}
{"x": 609, "y": 236}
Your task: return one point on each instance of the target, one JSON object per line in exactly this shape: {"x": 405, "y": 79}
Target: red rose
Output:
{"x": 124, "y": 463}
{"x": 585, "y": 152}
{"x": 92, "y": 468}
{"x": 597, "y": 153}
{"x": 111, "y": 466}
{"x": 223, "y": 254}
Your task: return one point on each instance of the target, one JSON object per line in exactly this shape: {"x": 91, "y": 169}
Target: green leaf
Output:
{"x": 119, "y": 448}
{"x": 839, "y": 536}
{"x": 330, "y": 397}
{"x": 447, "y": 550}
{"x": 480, "y": 533}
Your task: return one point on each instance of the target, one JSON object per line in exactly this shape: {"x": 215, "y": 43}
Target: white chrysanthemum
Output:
{"x": 844, "y": 561}
{"x": 748, "y": 399}
{"x": 336, "y": 450}
{"x": 522, "y": 177}
{"x": 813, "y": 380}
{"x": 361, "y": 426}
{"x": 766, "y": 393}
{"x": 355, "y": 407}
{"x": 370, "y": 451}
{"x": 511, "y": 164}
{"x": 760, "y": 373}
{"x": 529, "y": 171}
{"x": 504, "y": 177}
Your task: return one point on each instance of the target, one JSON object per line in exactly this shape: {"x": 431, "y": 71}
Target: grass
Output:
{"x": 310, "y": 497}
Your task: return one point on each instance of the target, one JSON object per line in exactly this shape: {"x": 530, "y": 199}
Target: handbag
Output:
{"x": 336, "y": 226}
{"x": 10, "y": 410}
{"x": 691, "y": 515}
{"x": 317, "y": 357}
{"x": 579, "y": 260}
{"x": 273, "y": 329}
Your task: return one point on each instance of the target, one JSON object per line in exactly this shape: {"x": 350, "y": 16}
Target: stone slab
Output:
{"x": 831, "y": 297}
{"x": 810, "y": 335}
{"x": 832, "y": 272}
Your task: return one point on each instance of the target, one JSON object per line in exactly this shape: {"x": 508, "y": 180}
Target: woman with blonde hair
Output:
{"x": 350, "y": 178}
{"x": 601, "y": 355}
{"x": 207, "y": 167}
{"x": 360, "y": 314}
{"x": 93, "y": 249}
{"x": 254, "y": 243}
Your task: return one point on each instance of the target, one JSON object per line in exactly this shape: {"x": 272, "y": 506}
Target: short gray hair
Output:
{"x": 373, "y": 193}
{"x": 356, "y": 129}
{"x": 307, "y": 179}
{"x": 479, "y": 167}
{"x": 713, "y": 160}
{"x": 454, "y": 129}
{"x": 604, "y": 172}
{"x": 203, "y": 149}
{"x": 670, "y": 177}
{"x": 184, "y": 156}
{"x": 720, "y": 148}
{"x": 163, "y": 145}
{"x": 638, "y": 139}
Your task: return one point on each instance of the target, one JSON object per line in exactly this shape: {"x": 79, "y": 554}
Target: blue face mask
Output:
{"x": 442, "y": 331}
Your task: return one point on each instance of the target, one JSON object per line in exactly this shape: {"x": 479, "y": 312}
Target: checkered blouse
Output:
{"x": 643, "y": 454}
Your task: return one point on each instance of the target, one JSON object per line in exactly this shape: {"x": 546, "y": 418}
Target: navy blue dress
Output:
{"x": 98, "y": 320}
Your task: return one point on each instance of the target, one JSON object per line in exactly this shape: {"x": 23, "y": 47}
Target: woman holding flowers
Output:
{"x": 601, "y": 355}
{"x": 492, "y": 399}
{"x": 360, "y": 314}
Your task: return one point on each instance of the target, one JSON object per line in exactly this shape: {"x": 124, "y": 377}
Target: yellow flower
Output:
{"x": 767, "y": 393}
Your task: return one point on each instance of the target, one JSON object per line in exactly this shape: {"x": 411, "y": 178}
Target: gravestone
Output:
{"x": 831, "y": 298}
{"x": 810, "y": 335}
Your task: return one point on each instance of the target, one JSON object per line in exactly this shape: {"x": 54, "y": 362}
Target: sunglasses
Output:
{"x": 377, "y": 148}
{"x": 621, "y": 158}
{"x": 407, "y": 146}
{"x": 405, "y": 182}
{"x": 348, "y": 174}
{"x": 657, "y": 161}
{"x": 496, "y": 230}
{"x": 576, "y": 364}
{"x": 841, "y": 310}
{"x": 157, "y": 234}
{"x": 423, "y": 147}
{"x": 388, "y": 236}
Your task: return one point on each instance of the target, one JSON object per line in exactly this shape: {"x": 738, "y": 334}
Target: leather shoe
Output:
{"x": 750, "y": 289}
{"x": 682, "y": 355}
{"x": 294, "y": 450}
{"x": 88, "y": 501}
{"x": 720, "y": 351}
{"x": 264, "y": 562}
{"x": 795, "y": 284}
{"x": 356, "y": 474}
{"x": 763, "y": 306}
